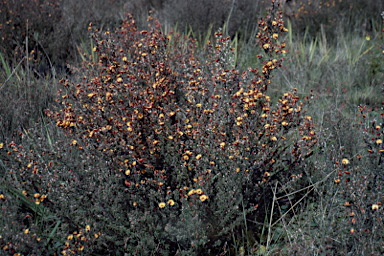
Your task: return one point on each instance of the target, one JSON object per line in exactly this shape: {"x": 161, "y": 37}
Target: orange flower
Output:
{"x": 203, "y": 198}
{"x": 199, "y": 191}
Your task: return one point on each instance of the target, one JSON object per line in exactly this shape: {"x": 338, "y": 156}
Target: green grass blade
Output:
{"x": 290, "y": 33}
{"x": 312, "y": 49}
{"x": 46, "y": 129}
{"x": 365, "y": 52}
{"x": 50, "y": 236}
{"x": 38, "y": 209}
{"x": 208, "y": 35}
{"x": 5, "y": 66}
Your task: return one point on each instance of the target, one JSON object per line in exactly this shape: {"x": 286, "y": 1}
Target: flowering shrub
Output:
{"x": 161, "y": 148}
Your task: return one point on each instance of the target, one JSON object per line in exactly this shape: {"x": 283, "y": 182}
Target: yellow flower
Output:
{"x": 274, "y": 138}
{"x": 266, "y": 46}
{"x": 379, "y": 141}
{"x": 1, "y": 145}
{"x": 70, "y": 237}
{"x": 203, "y": 198}
{"x": 284, "y": 123}
{"x": 127, "y": 172}
{"x": 222, "y": 144}
{"x": 199, "y": 191}
{"x": 26, "y": 231}
{"x": 191, "y": 192}
{"x": 171, "y": 202}
{"x": 345, "y": 161}
{"x": 274, "y": 23}
{"x": 198, "y": 156}
{"x": 275, "y": 36}
{"x": 162, "y": 205}
{"x": 375, "y": 207}
{"x": 87, "y": 228}
{"x": 368, "y": 38}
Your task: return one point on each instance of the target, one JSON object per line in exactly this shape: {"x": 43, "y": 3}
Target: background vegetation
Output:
{"x": 95, "y": 162}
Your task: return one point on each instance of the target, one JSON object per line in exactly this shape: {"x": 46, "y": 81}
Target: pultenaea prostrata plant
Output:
{"x": 361, "y": 181}
{"x": 163, "y": 148}
{"x": 351, "y": 223}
